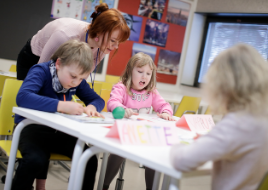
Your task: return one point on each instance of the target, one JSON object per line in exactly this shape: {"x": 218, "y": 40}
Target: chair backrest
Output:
{"x": 105, "y": 85}
{"x": 8, "y": 101}
{"x": 188, "y": 105}
{"x": 264, "y": 183}
{"x": 2, "y": 82}
{"x": 112, "y": 79}
{"x": 97, "y": 87}
{"x": 13, "y": 68}
{"x": 105, "y": 95}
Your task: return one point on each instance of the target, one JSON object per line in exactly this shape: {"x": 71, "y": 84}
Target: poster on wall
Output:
{"x": 168, "y": 62}
{"x": 150, "y": 50}
{"x": 178, "y": 12}
{"x": 152, "y": 8}
{"x": 134, "y": 23}
{"x": 155, "y": 33}
{"x": 78, "y": 9}
{"x": 67, "y": 8}
{"x": 89, "y": 8}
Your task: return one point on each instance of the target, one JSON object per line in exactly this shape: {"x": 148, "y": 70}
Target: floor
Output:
{"x": 133, "y": 176}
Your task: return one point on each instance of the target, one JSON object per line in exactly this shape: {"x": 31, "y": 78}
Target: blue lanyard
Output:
{"x": 92, "y": 82}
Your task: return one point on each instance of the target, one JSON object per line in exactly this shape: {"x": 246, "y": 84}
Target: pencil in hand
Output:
{"x": 74, "y": 99}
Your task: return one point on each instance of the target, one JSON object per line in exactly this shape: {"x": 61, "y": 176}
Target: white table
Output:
{"x": 154, "y": 157}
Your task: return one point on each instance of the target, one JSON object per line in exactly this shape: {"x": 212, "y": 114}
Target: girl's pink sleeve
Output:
{"x": 160, "y": 105}
{"x": 117, "y": 97}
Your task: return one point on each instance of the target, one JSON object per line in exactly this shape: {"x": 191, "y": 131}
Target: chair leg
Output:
{"x": 120, "y": 181}
{"x": 3, "y": 166}
{"x": 64, "y": 165}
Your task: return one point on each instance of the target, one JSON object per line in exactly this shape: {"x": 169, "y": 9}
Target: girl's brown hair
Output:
{"x": 107, "y": 21}
{"x": 140, "y": 59}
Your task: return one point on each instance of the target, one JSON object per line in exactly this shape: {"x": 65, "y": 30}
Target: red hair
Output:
{"x": 107, "y": 21}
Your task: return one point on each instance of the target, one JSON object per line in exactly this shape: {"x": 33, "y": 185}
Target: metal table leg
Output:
{"x": 166, "y": 182}
{"x": 13, "y": 151}
{"x": 156, "y": 180}
{"x": 103, "y": 170}
{"x": 78, "y": 150}
{"x": 174, "y": 184}
{"x": 81, "y": 166}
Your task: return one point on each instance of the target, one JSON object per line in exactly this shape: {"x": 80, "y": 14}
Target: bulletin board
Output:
{"x": 174, "y": 42}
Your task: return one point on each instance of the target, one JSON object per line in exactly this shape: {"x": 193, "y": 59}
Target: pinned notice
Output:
{"x": 144, "y": 133}
{"x": 200, "y": 124}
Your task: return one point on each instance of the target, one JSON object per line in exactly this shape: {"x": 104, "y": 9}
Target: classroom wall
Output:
{"x": 13, "y": 33}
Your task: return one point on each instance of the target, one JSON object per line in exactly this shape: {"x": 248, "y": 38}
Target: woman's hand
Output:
{"x": 91, "y": 110}
{"x": 166, "y": 116}
{"x": 129, "y": 112}
{"x": 69, "y": 107}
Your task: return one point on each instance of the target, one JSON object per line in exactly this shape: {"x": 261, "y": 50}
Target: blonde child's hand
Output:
{"x": 129, "y": 112}
{"x": 69, "y": 107}
{"x": 166, "y": 116}
{"x": 91, "y": 110}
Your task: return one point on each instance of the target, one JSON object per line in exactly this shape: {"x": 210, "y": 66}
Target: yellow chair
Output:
{"x": 112, "y": 79}
{"x": 97, "y": 87}
{"x": 188, "y": 105}
{"x": 264, "y": 183}
{"x": 208, "y": 112}
{"x": 10, "y": 92}
{"x": 13, "y": 68}
{"x": 105, "y": 85}
{"x": 2, "y": 82}
{"x": 105, "y": 95}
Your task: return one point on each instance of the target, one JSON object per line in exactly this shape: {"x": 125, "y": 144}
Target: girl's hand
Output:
{"x": 129, "y": 112}
{"x": 166, "y": 116}
{"x": 91, "y": 110}
{"x": 69, "y": 107}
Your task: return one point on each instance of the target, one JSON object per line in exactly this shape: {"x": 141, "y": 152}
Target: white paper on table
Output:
{"x": 87, "y": 119}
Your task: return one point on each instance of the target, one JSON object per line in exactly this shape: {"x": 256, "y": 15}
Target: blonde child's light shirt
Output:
{"x": 238, "y": 146}
{"x": 47, "y": 40}
{"x": 139, "y": 102}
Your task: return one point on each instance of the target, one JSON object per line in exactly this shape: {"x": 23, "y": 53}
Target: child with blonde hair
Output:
{"x": 136, "y": 93}
{"x": 236, "y": 85}
{"x": 49, "y": 87}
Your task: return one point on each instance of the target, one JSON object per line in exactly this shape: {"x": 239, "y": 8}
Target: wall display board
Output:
{"x": 155, "y": 33}
{"x": 152, "y": 8}
{"x": 77, "y": 9}
{"x": 169, "y": 43}
{"x": 134, "y": 23}
{"x": 149, "y": 50}
{"x": 168, "y": 62}
{"x": 67, "y": 8}
{"x": 89, "y": 8}
{"x": 178, "y": 12}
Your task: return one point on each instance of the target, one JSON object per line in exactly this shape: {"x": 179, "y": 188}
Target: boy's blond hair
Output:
{"x": 74, "y": 51}
{"x": 140, "y": 59}
{"x": 237, "y": 80}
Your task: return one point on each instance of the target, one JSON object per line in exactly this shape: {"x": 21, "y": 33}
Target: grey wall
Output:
{"x": 232, "y": 6}
{"x": 20, "y": 20}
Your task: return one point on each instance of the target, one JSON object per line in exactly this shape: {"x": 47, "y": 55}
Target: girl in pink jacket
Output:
{"x": 136, "y": 93}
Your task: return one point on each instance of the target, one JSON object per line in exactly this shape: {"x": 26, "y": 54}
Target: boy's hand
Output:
{"x": 91, "y": 110}
{"x": 129, "y": 112}
{"x": 166, "y": 116}
{"x": 69, "y": 107}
